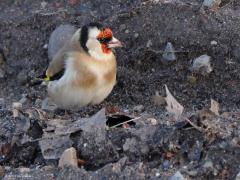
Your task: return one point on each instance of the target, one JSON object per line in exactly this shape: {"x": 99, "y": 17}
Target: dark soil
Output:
{"x": 140, "y": 151}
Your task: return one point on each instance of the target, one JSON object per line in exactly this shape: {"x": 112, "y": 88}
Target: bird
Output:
{"x": 83, "y": 71}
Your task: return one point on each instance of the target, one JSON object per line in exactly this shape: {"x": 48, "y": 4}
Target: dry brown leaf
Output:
{"x": 168, "y": 155}
{"x": 158, "y": 100}
{"x": 173, "y": 106}
{"x": 214, "y": 107}
{"x": 112, "y": 109}
{"x": 81, "y": 162}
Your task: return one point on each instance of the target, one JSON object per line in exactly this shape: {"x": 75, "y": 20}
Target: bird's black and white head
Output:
{"x": 98, "y": 40}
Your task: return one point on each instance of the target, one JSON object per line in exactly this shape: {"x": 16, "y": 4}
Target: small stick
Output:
{"x": 125, "y": 122}
{"x": 193, "y": 125}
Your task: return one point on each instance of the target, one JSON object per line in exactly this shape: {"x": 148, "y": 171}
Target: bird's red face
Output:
{"x": 107, "y": 41}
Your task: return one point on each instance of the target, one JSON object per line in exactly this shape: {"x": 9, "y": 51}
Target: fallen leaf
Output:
{"x": 81, "y": 162}
{"x": 112, "y": 109}
{"x": 158, "y": 100}
{"x": 168, "y": 155}
{"x": 214, "y": 107}
{"x": 5, "y": 149}
{"x": 173, "y": 106}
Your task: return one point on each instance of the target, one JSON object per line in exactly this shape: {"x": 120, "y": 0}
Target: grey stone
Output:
{"x": 208, "y": 164}
{"x": 149, "y": 43}
{"x": 122, "y": 27}
{"x": 59, "y": 37}
{"x": 138, "y": 108}
{"x": 238, "y": 176}
{"x": 202, "y": 65}
{"x": 177, "y": 176}
{"x": 130, "y": 145}
{"x": 17, "y": 105}
{"x": 169, "y": 53}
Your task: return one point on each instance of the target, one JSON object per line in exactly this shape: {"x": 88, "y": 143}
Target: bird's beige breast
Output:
{"x": 92, "y": 73}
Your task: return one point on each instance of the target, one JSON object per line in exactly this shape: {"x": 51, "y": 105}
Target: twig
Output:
{"x": 125, "y": 122}
{"x": 193, "y": 125}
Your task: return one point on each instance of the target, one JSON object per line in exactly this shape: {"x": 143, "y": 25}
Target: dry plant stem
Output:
{"x": 193, "y": 125}
{"x": 124, "y": 122}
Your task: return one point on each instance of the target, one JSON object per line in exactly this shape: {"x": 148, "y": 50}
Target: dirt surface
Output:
{"x": 145, "y": 149}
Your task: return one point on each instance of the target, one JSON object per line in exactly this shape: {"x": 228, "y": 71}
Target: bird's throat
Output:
{"x": 105, "y": 49}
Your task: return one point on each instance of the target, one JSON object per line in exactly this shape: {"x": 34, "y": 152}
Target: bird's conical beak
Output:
{"x": 114, "y": 43}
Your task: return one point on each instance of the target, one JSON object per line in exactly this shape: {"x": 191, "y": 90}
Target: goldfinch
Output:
{"x": 87, "y": 68}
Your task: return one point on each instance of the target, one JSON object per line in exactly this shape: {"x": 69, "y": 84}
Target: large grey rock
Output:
{"x": 59, "y": 37}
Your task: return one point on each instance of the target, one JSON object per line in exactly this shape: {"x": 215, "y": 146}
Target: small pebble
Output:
{"x": 122, "y": 27}
{"x": 166, "y": 164}
{"x": 136, "y": 35}
{"x": 213, "y": 42}
{"x": 43, "y": 4}
{"x": 177, "y": 176}
{"x": 17, "y": 105}
{"x": 69, "y": 158}
{"x": 45, "y": 46}
{"x": 138, "y": 108}
{"x": 149, "y": 43}
{"x": 157, "y": 174}
{"x": 208, "y": 164}
{"x": 169, "y": 53}
{"x": 127, "y": 31}
{"x": 152, "y": 121}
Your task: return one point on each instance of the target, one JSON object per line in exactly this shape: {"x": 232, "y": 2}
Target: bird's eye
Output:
{"x": 105, "y": 35}
{"x": 104, "y": 40}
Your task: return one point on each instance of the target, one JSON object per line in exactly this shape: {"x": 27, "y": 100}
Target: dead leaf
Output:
{"x": 173, "y": 106}
{"x": 81, "y": 162}
{"x": 168, "y": 155}
{"x": 158, "y": 100}
{"x": 112, "y": 109}
{"x": 5, "y": 149}
{"x": 214, "y": 107}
